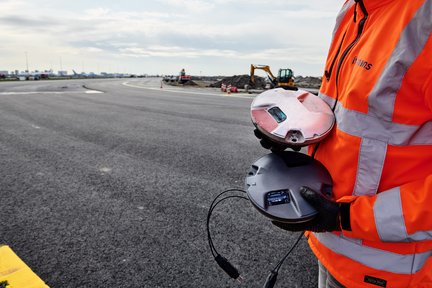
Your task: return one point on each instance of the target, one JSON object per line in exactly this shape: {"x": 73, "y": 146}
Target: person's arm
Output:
{"x": 401, "y": 214}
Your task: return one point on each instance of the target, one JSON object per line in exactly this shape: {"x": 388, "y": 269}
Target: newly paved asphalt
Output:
{"x": 112, "y": 189}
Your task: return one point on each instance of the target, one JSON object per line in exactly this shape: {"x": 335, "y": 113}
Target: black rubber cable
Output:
{"x": 212, "y": 207}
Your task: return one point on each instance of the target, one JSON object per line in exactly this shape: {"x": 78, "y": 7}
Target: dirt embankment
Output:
{"x": 260, "y": 83}
{"x": 240, "y": 81}
{"x": 308, "y": 82}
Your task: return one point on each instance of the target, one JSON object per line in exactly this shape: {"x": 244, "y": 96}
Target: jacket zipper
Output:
{"x": 344, "y": 54}
{"x": 328, "y": 72}
{"x": 350, "y": 46}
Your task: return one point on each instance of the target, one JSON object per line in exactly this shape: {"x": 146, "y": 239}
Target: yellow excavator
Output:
{"x": 285, "y": 78}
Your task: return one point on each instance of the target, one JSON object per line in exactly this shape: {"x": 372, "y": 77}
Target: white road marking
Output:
{"x": 93, "y": 92}
{"x": 35, "y": 126}
{"x": 105, "y": 169}
{"x": 52, "y": 92}
{"x": 234, "y": 95}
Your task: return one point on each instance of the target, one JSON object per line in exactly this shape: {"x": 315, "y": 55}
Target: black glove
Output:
{"x": 268, "y": 143}
{"x": 327, "y": 219}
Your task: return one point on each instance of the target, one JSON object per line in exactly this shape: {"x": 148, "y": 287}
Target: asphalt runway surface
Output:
{"x": 112, "y": 189}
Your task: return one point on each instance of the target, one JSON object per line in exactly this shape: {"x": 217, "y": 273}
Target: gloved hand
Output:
{"x": 268, "y": 143}
{"x": 327, "y": 219}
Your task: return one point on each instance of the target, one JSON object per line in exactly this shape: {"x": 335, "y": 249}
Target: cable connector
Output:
{"x": 271, "y": 279}
{"x": 227, "y": 267}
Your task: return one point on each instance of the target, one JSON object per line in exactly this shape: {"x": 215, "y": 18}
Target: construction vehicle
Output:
{"x": 285, "y": 78}
{"x": 183, "y": 78}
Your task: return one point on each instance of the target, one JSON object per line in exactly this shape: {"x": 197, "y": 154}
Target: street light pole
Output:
{"x": 27, "y": 62}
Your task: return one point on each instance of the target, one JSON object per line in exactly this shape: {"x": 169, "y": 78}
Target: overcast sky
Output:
{"x": 218, "y": 37}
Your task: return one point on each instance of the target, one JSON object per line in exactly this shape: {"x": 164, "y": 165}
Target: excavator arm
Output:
{"x": 285, "y": 78}
{"x": 266, "y": 68}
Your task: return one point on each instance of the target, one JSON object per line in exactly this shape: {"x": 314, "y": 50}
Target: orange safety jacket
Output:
{"x": 378, "y": 80}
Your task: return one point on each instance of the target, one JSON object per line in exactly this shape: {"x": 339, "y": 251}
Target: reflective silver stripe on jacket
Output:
{"x": 370, "y": 166}
{"x": 376, "y": 134}
{"x": 382, "y": 97}
{"x": 363, "y": 125}
{"x": 372, "y": 257}
{"x": 388, "y": 216}
{"x": 389, "y": 219}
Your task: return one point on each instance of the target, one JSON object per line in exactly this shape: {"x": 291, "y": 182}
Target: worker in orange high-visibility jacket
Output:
{"x": 377, "y": 231}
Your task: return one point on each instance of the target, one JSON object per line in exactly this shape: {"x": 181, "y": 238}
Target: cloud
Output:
{"x": 172, "y": 52}
{"x": 20, "y": 22}
{"x": 196, "y": 29}
{"x": 191, "y": 6}
{"x": 93, "y": 50}
{"x": 291, "y": 54}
